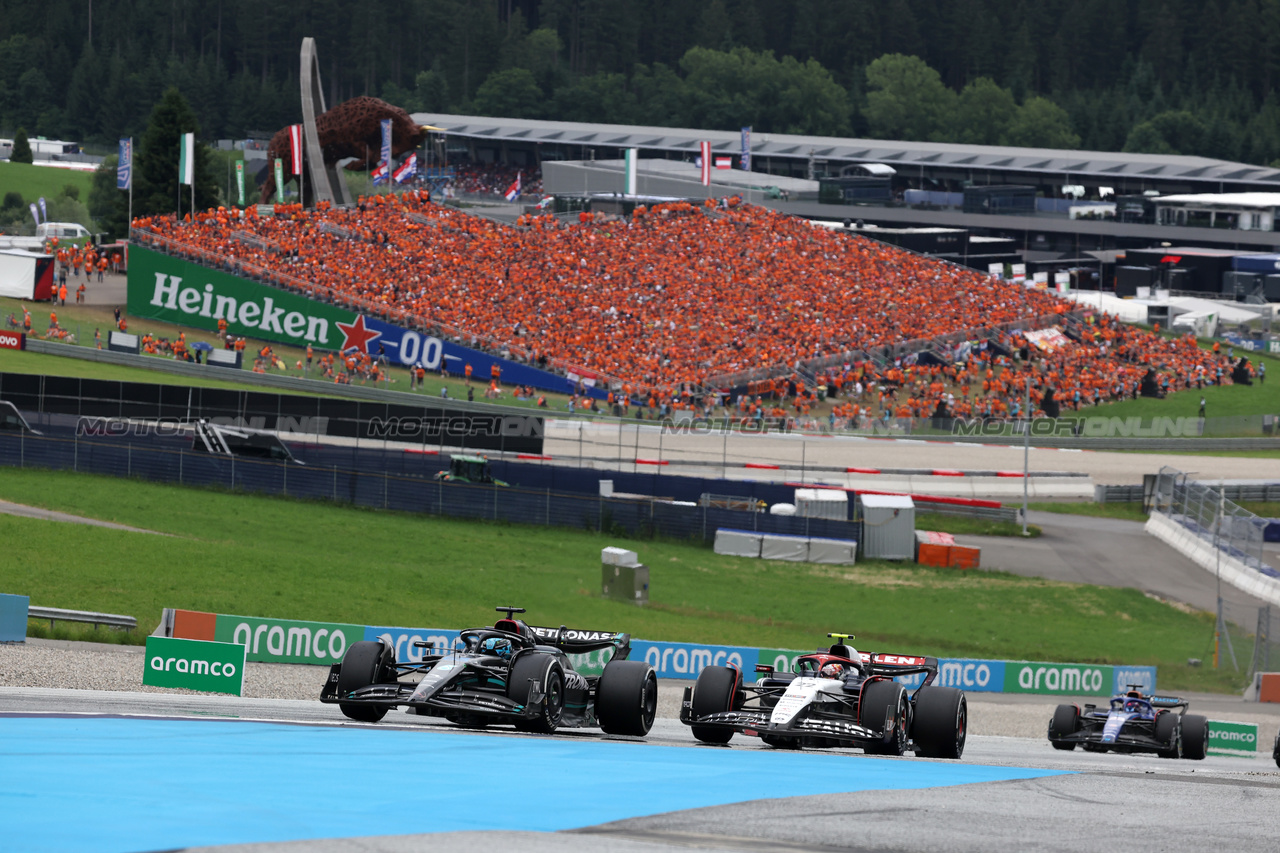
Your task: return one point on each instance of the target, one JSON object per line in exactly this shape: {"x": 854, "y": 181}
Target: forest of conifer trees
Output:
{"x": 1169, "y": 76}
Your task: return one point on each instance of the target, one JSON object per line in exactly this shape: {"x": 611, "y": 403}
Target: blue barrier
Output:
{"x": 13, "y": 618}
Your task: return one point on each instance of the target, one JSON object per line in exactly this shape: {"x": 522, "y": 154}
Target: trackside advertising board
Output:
{"x": 1227, "y": 738}
{"x": 285, "y": 641}
{"x": 174, "y": 290}
{"x": 194, "y": 665}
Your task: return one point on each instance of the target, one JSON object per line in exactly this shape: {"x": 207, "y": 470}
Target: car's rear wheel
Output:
{"x": 627, "y": 698}
{"x": 1195, "y": 737}
{"x": 363, "y": 664}
{"x": 940, "y": 722}
{"x": 1065, "y": 721}
{"x": 544, "y": 672}
{"x": 881, "y": 699}
{"x": 717, "y": 690}
{"x": 1168, "y": 732}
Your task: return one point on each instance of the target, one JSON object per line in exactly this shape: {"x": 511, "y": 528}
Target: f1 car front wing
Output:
{"x": 750, "y": 720}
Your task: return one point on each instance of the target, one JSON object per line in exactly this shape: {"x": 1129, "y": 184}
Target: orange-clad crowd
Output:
{"x": 679, "y": 293}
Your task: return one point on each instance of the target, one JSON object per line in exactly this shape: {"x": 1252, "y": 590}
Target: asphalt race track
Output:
{"x": 138, "y": 772}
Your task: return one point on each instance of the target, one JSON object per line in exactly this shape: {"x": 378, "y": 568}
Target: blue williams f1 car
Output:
{"x": 1133, "y": 722}
{"x": 510, "y": 673}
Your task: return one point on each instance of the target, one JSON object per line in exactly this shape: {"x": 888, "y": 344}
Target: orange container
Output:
{"x": 933, "y": 555}
{"x": 965, "y": 558}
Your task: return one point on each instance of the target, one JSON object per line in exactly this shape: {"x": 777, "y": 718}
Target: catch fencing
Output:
{"x": 1245, "y": 639}
{"x": 618, "y": 516}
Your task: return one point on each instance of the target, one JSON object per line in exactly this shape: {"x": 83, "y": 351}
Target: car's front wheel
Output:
{"x": 717, "y": 690}
{"x": 884, "y": 703}
{"x": 1168, "y": 732}
{"x": 1065, "y": 721}
{"x": 544, "y": 672}
{"x": 364, "y": 663}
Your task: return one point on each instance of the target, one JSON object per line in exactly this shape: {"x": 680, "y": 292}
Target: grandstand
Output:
{"x": 685, "y": 298}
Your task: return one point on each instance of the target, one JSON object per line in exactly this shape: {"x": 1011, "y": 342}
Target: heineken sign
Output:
{"x": 162, "y": 287}
{"x": 194, "y": 665}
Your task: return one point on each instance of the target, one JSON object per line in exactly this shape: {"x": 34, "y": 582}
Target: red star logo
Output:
{"x": 356, "y": 335}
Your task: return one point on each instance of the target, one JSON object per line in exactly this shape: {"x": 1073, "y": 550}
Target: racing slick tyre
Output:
{"x": 1195, "y": 737}
{"x": 1168, "y": 731}
{"x": 940, "y": 723}
{"x": 627, "y": 698}
{"x": 546, "y": 672}
{"x": 879, "y": 700}
{"x": 715, "y": 691}
{"x": 364, "y": 663}
{"x": 1065, "y": 721}
{"x": 1275, "y": 750}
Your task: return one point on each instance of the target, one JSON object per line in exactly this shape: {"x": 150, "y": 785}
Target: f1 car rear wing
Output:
{"x": 895, "y": 665}
{"x": 1168, "y": 702}
{"x": 577, "y": 640}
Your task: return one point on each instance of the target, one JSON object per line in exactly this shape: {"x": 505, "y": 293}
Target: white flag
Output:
{"x": 187, "y": 159}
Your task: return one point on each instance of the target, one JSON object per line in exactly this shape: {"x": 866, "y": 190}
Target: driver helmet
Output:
{"x": 833, "y": 670}
{"x": 1132, "y": 705}
{"x": 499, "y": 646}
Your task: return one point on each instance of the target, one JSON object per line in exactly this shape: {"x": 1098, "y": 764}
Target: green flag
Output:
{"x": 187, "y": 159}
{"x": 279, "y": 181}
{"x": 240, "y": 180}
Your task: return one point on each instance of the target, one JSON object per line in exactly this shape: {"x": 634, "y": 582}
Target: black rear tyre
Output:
{"x": 879, "y": 700}
{"x": 716, "y": 691}
{"x": 940, "y": 723}
{"x": 545, "y": 672}
{"x": 627, "y": 698}
{"x": 1168, "y": 732}
{"x": 1065, "y": 721}
{"x": 364, "y": 663}
{"x": 1195, "y": 737}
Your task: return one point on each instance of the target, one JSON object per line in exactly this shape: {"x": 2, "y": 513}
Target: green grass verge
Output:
{"x": 1127, "y": 511}
{"x": 260, "y": 556}
{"x": 963, "y": 525}
{"x": 36, "y": 181}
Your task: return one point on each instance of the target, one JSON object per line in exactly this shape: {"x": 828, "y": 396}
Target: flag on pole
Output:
{"x": 240, "y": 181}
{"x": 295, "y": 147}
{"x": 513, "y": 191}
{"x": 631, "y": 172}
{"x": 44, "y": 211}
{"x": 386, "y": 142}
{"x": 187, "y": 159}
{"x": 279, "y": 180}
{"x": 724, "y": 162}
{"x": 124, "y": 168}
{"x": 379, "y": 174}
{"x": 407, "y": 169}
{"x": 745, "y": 161}
{"x": 35, "y": 214}
{"x": 706, "y": 163}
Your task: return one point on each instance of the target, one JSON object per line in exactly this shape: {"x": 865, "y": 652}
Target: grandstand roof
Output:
{"x": 1068, "y": 162}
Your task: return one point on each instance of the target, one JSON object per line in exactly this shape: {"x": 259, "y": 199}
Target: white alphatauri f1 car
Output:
{"x": 836, "y": 697}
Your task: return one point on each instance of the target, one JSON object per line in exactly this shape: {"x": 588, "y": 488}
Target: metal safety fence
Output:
{"x": 1205, "y": 510}
{"x": 619, "y": 516}
{"x": 1245, "y": 638}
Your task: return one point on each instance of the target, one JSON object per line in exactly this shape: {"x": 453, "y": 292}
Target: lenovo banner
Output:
{"x": 13, "y": 340}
